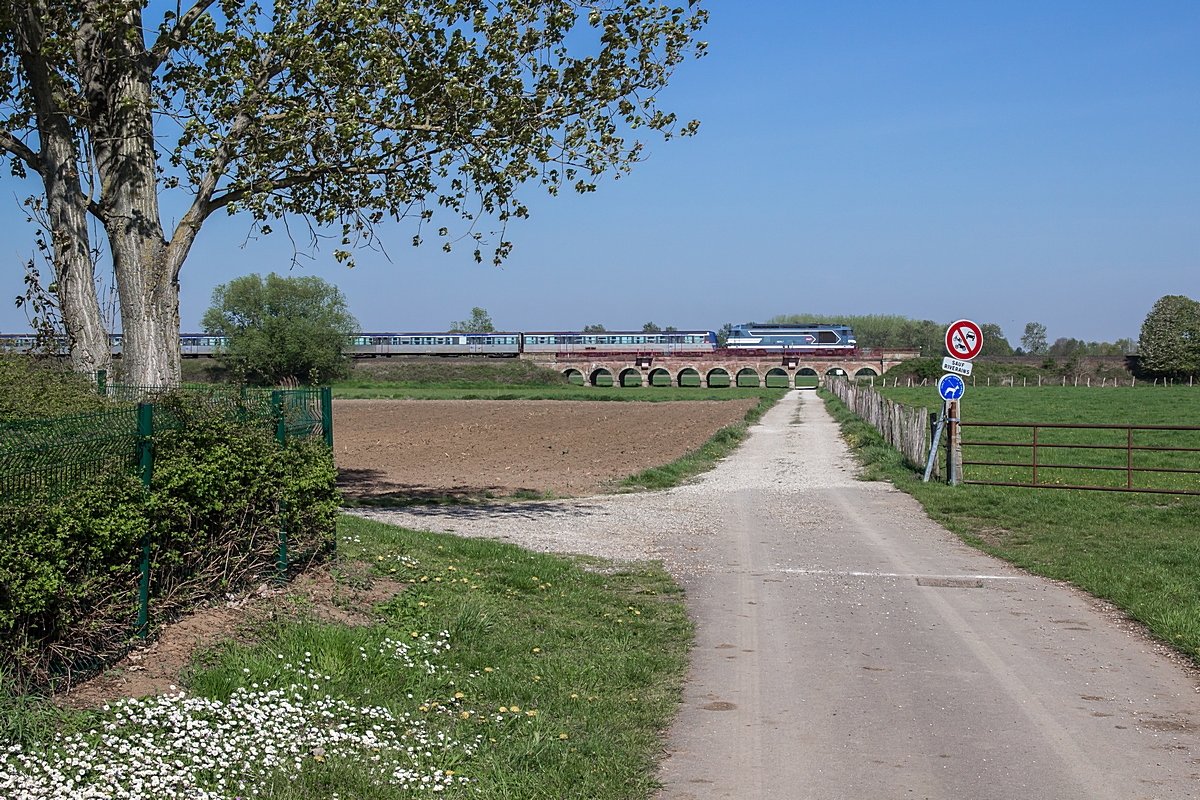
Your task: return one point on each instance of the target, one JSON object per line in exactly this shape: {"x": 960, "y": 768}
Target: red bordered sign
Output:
{"x": 964, "y": 339}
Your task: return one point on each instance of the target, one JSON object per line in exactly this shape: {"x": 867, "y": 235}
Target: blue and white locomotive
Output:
{"x": 816, "y": 337}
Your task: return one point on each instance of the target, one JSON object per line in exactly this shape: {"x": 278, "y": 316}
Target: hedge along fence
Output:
{"x": 120, "y": 519}
{"x": 903, "y": 427}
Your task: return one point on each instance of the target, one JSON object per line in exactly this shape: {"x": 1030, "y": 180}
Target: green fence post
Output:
{"x": 281, "y": 563}
{"x": 145, "y": 459}
{"x": 327, "y": 415}
{"x": 102, "y": 382}
{"x": 327, "y": 431}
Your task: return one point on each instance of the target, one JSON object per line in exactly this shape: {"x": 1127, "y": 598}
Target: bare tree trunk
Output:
{"x": 66, "y": 204}
{"x": 117, "y": 83}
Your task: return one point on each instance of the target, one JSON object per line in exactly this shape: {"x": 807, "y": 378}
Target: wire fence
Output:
{"x": 55, "y": 463}
{"x": 49, "y": 458}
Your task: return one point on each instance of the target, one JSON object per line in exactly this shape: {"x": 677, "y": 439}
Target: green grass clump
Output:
{"x": 721, "y": 444}
{"x": 598, "y": 656}
{"x": 559, "y": 680}
{"x": 1139, "y": 551}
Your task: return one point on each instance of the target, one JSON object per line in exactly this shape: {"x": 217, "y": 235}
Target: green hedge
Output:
{"x": 70, "y": 568}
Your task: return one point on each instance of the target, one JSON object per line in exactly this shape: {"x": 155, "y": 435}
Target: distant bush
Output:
{"x": 1170, "y": 340}
{"x": 33, "y": 389}
{"x": 281, "y": 328}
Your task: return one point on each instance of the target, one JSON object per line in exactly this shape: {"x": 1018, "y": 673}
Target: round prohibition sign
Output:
{"x": 964, "y": 339}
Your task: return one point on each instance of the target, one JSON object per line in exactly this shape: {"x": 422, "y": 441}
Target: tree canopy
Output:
{"x": 334, "y": 114}
{"x": 1170, "y": 340}
{"x": 281, "y": 328}
{"x": 1033, "y": 341}
{"x": 479, "y": 322}
{"x": 892, "y": 330}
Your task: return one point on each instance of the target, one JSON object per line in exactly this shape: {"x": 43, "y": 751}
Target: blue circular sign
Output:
{"x": 951, "y": 387}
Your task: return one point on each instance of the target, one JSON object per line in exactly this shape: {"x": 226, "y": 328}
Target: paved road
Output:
{"x": 848, "y": 647}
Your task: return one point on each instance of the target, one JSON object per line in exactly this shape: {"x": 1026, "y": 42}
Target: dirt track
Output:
{"x": 468, "y": 447}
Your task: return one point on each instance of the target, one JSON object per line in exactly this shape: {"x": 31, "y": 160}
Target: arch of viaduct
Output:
{"x": 722, "y": 367}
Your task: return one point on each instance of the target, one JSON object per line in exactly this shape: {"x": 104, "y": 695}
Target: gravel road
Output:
{"x": 849, "y": 647}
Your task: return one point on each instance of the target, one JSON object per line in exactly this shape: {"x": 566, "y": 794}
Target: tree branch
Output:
{"x": 21, "y": 150}
{"x": 169, "y": 41}
{"x": 295, "y": 179}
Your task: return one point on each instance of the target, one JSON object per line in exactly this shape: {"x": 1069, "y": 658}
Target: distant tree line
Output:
{"x": 895, "y": 331}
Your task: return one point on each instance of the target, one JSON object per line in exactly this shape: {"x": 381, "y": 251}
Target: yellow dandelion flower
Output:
{"x": 562, "y": 736}
{"x": 575, "y": 696}
{"x": 503, "y": 709}
{"x": 465, "y": 715}
{"x": 459, "y": 695}
{"x": 537, "y": 649}
{"x": 487, "y": 669}
{"x": 515, "y": 709}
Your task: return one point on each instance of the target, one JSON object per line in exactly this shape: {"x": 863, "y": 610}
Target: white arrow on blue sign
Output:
{"x": 951, "y": 387}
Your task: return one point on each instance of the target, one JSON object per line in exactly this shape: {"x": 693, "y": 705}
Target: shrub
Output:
{"x": 281, "y": 329}
{"x": 1170, "y": 340}
{"x": 32, "y": 389}
{"x": 69, "y": 568}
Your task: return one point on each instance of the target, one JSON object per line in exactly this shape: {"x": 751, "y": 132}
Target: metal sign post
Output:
{"x": 933, "y": 447}
{"x": 951, "y": 388}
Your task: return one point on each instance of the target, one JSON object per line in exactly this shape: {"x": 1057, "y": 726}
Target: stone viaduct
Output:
{"x": 720, "y": 366}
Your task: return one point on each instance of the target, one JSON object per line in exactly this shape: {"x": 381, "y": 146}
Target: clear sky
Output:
{"x": 1003, "y": 162}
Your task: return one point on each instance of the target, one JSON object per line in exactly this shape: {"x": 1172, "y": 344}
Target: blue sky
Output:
{"x": 1002, "y": 162}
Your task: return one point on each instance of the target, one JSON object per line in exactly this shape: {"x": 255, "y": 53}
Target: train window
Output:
{"x": 827, "y": 337}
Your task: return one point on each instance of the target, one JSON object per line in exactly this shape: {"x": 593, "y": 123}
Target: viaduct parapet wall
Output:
{"x": 707, "y": 367}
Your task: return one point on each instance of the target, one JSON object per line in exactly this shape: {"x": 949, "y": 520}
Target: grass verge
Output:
{"x": 495, "y": 673}
{"x": 719, "y": 445}
{"x": 1140, "y": 552}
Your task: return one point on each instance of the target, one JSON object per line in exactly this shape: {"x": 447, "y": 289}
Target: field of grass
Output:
{"x": 475, "y": 391}
{"x": 497, "y": 673}
{"x": 1140, "y": 551}
{"x": 1175, "y": 405}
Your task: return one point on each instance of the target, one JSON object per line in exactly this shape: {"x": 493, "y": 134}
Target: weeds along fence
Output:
{"x": 903, "y": 427}
{"x": 120, "y": 519}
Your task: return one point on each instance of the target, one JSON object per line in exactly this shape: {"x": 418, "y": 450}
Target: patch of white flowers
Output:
{"x": 175, "y": 746}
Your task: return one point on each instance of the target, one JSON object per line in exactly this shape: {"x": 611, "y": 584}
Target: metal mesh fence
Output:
{"x": 49, "y": 458}
{"x": 50, "y": 463}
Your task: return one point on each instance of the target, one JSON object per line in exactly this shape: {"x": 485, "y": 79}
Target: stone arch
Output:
{"x": 688, "y": 376}
{"x": 574, "y": 377}
{"x": 660, "y": 377}
{"x": 629, "y": 372}
{"x": 807, "y": 378}
{"x": 720, "y": 376}
{"x": 747, "y": 376}
{"x": 866, "y": 374}
{"x": 835, "y": 372}
{"x": 601, "y": 377}
{"x": 777, "y": 378}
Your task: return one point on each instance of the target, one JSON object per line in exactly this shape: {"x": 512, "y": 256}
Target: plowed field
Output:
{"x": 470, "y": 447}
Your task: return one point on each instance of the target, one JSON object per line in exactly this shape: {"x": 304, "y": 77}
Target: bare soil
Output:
{"x": 160, "y": 666}
{"x": 469, "y": 448}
